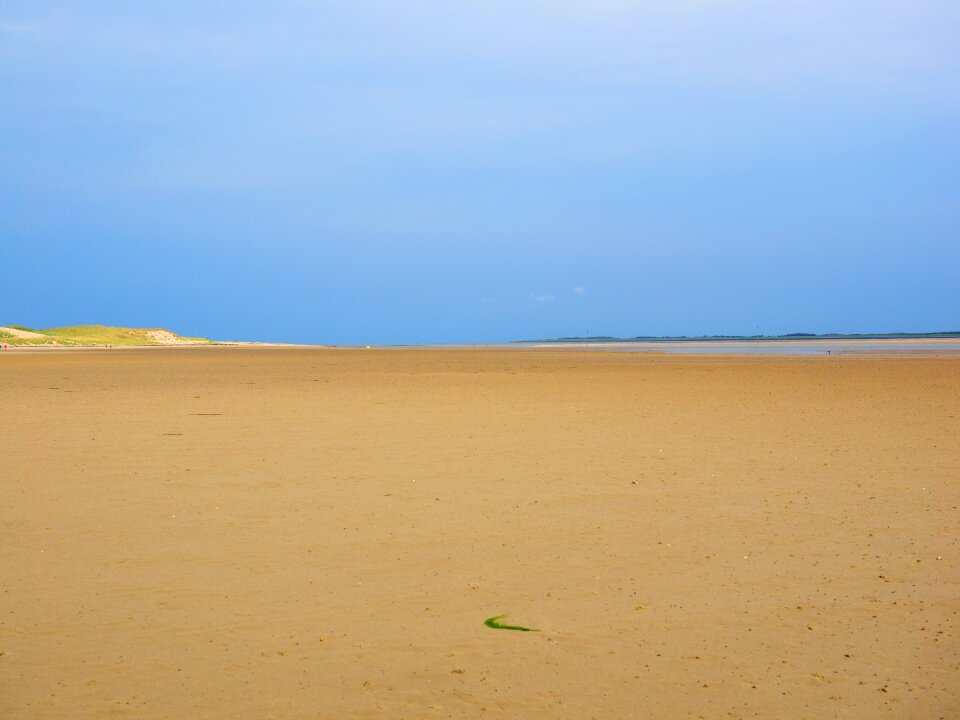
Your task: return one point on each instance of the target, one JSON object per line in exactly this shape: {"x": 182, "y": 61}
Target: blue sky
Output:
{"x": 432, "y": 171}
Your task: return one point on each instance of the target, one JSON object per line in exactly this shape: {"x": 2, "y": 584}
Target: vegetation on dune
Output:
{"x": 99, "y": 335}
{"x": 11, "y": 340}
{"x": 96, "y": 335}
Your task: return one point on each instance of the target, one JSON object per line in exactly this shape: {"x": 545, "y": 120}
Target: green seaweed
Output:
{"x": 492, "y": 623}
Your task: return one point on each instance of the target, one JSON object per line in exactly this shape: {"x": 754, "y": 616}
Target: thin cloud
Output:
{"x": 579, "y": 290}
{"x": 544, "y": 298}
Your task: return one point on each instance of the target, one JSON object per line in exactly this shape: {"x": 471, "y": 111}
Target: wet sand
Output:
{"x": 303, "y": 533}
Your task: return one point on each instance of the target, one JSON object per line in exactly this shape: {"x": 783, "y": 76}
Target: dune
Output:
{"x": 20, "y": 334}
{"x": 95, "y": 335}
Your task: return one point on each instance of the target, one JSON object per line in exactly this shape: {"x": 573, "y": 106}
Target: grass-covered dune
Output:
{"x": 95, "y": 335}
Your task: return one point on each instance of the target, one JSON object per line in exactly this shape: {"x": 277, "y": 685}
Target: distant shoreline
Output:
{"x": 794, "y": 337}
{"x": 926, "y": 346}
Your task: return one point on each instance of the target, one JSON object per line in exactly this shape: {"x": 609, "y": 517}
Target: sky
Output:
{"x": 441, "y": 171}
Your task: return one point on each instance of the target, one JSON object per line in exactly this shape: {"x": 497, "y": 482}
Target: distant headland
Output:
{"x": 953, "y": 334}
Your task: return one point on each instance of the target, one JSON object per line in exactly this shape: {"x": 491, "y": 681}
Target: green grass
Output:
{"x": 98, "y": 335}
{"x": 496, "y": 625}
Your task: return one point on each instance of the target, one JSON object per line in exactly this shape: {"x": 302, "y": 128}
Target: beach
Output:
{"x": 218, "y": 532}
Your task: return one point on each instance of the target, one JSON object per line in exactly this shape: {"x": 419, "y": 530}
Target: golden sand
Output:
{"x": 292, "y": 533}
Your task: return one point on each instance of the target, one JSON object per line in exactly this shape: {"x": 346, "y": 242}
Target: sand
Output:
{"x": 23, "y": 334}
{"x": 293, "y": 533}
